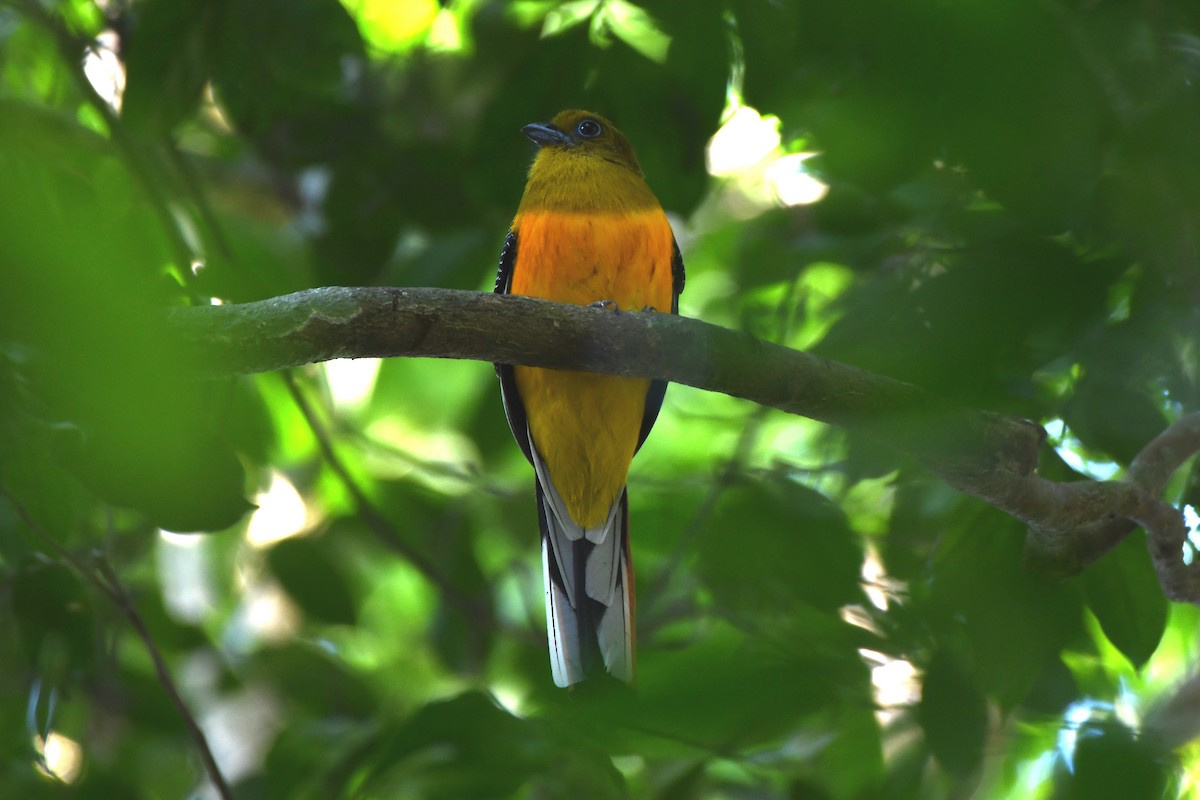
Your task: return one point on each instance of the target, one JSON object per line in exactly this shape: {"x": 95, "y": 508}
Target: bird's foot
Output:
{"x": 609, "y": 305}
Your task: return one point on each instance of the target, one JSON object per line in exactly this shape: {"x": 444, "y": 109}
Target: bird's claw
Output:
{"x": 609, "y": 305}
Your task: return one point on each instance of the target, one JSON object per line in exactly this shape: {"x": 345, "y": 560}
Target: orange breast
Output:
{"x": 585, "y": 426}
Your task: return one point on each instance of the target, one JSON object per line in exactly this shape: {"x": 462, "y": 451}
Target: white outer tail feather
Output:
{"x": 615, "y": 630}
{"x": 566, "y": 661}
{"x": 606, "y": 578}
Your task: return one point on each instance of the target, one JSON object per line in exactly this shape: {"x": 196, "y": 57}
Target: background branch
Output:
{"x": 105, "y": 580}
{"x": 377, "y": 522}
{"x": 1134, "y": 501}
{"x": 977, "y": 452}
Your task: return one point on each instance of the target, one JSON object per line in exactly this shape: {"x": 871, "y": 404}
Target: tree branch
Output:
{"x": 977, "y": 452}
{"x": 1066, "y": 549}
{"x": 336, "y": 322}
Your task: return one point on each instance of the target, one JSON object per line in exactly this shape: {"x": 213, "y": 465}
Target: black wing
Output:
{"x": 678, "y": 275}
{"x": 514, "y": 409}
{"x": 658, "y": 389}
{"x": 508, "y": 258}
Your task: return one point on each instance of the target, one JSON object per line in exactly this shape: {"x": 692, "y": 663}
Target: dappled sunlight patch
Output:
{"x": 895, "y": 685}
{"x": 58, "y": 757}
{"x": 241, "y": 727}
{"x": 1073, "y": 452}
{"x": 281, "y": 513}
{"x": 868, "y": 504}
{"x": 351, "y": 382}
{"x": 793, "y": 184}
{"x": 186, "y": 578}
{"x": 510, "y": 697}
{"x": 1192, "y": 520}
{"x": 104, "y": 69}
{"x": 444, "y": 460}
{"x": 757, "y": 170}
{"x": 393, "y": 26}
{"x": 895, "y": 680}
{"x": 394, "y": 622}
{"x": 743, "y": 142}
{"x": 264, "y": 615}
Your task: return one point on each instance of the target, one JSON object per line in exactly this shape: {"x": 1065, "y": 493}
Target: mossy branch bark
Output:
{"x": 977, "y": 452}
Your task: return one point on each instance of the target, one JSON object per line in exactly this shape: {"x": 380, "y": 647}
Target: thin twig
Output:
{"x": 378, "y": 524}
{"x": 109, "y": 585}
{"x": 449, "y": 470}
{"x": 125, "y": 604}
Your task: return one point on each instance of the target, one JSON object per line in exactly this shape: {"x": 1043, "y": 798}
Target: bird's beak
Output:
{"x": 543, "y": 134}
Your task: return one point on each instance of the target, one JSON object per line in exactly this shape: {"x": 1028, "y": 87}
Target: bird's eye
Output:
{"x": 589, "y": 129}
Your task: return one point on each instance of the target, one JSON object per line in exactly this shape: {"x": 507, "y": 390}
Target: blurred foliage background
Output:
{"x": 999, "y": 202}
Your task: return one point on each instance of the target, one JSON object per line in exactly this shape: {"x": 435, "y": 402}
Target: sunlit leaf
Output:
{"x": 567, "y": 15}
{"x": 393, "y": 26}
{"x": 636, "y": 28}
{"x": 1123, "y": 592}
{"x": 83, "y": 17}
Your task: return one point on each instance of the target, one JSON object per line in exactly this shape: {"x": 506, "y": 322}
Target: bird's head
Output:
{"x": 582, "y": 133}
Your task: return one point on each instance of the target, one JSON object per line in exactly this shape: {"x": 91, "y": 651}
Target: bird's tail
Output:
{"x": 589, "y": 592}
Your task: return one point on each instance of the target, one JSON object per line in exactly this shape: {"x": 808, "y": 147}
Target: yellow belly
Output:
{"x": 585, "y": 426}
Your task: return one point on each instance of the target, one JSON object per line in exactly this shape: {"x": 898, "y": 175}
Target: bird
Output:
{"x": 588, "y": 231}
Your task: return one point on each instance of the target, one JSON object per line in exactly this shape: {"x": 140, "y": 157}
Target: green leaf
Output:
{"x": 1109, "y": 415}
{"x": 953, "y": 713}
{"x": 1111, "y": 761}
{"x": 1013, "y": 621}
{"x": 180, "y": 479}
{"x": 286, "y": 73}
{"x": 1123, "y": 591}
{"x": 320, "y": 684}
{"x": 311, "y": 760}
{"x": 465, "y": 747}
{"x": 636, "y": 28}
{"x": 138, "y": 430}
{"x": 726, "y": 686}
{"x": 852, "y": 764}
{"x": 568, "y": 15}
{"x": 54, "y": 618}
{"x": 773, "y": 545}
{"x": 82, "y": 17}
{"x": 309, "y": 571}
{"x": 147, "y": 706}
{"x": 166, "y": 64}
